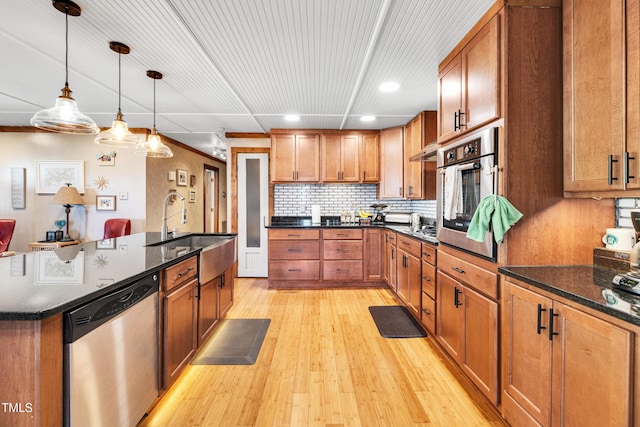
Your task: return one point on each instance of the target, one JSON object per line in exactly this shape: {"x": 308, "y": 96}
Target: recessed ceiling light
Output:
{"x": 292, "y": 117}
{"x": 389, "y": 86}
{"x": 367, "y": 118}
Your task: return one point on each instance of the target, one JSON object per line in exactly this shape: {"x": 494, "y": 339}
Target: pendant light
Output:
{"x": 119, "y": 135}
{"x": 153, "y": 146}
{"x": 65, "y": 117}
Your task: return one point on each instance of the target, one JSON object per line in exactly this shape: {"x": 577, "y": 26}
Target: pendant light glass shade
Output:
{"x": 65, "y": 117}
{"x": 153, "y": 146}
{"x": 119, "y": 134}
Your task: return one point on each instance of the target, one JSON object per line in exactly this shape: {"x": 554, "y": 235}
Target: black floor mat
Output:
{"x": 395, "y": 321}
{"x": 235, "y": 342}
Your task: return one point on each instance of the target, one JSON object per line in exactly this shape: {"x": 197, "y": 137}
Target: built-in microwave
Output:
{"x": 466, "y": 174}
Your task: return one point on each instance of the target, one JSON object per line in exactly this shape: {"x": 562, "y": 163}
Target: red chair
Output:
{"x": 6, "y": 232}
{"x": 116, "y": 227}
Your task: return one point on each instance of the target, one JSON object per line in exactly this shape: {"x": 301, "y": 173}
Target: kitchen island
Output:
{"x": 37, "y": 288}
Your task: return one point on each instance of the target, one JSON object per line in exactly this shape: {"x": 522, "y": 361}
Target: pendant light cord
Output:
{"x": 66, "y": 51}
{"x": 119, "y": 80}
{"x": 154, "y": 103}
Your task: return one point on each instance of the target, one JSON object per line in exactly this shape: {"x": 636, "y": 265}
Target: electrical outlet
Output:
{"x": 124, "y": 196}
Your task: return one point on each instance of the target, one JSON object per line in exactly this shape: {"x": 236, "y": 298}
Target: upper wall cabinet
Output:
{"x": 310, "y": 156}
{"x": 391, "y": 163}
{"x": 469, "y": 84}
{"x": 370, "y": 158}
{"x": 340, "y": 158}
{"x": 601, "y": 98}
{"x": 295, "y": 158}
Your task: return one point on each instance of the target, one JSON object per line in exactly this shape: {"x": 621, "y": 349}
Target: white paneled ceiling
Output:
{"x": 232, "y": 65}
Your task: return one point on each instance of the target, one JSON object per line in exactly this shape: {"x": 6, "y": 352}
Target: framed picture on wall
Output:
{"x": 181, "y": 177}
{"x": 51, "y": 175}
{"x": 192, "y": 180}
{"x": 105, "y": 203}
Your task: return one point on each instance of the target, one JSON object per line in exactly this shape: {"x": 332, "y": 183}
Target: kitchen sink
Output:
{"x": 217, "y": 252}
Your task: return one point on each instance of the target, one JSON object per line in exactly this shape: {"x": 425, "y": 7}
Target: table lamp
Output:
{"x": 67, "y": 196}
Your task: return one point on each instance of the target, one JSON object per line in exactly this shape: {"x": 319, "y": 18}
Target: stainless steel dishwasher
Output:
{"x": 111, "y": 357}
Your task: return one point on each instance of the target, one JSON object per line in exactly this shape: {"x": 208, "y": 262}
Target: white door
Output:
{"x": 253, "y": 208}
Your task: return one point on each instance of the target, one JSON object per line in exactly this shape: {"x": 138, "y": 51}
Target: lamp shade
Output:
{"x": 67, "y": 195}
{"x": 153, "y": 147}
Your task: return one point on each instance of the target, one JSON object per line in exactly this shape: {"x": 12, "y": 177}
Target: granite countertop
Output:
{"x": 37, "y": 285}
{"x": 588, "y": 285}
{"x": 334, "y": 222}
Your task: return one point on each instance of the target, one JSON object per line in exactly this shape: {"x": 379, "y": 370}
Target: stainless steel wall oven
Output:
{"x": 466, "y": 174}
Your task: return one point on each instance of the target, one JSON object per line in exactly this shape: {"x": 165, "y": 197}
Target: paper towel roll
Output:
{"x": 315, "y": 214}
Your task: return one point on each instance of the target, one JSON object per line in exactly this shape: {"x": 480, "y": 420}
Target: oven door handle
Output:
{"x": 464, "y": 167}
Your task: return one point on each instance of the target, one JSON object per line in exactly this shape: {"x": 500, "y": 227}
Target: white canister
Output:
{"x": 315, "y": 214}
{"x": 619, "y": 239}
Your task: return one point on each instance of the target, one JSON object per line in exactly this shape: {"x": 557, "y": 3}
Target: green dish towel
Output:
{"x": 494, "y": 211}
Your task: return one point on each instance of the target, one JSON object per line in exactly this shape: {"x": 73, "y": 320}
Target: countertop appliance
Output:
{"x": 111, "y": 357}
{"x": 470, "y": 162}
{"x": 426, "y": 230}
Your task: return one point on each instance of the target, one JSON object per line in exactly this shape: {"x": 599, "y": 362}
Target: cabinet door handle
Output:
{"x": 222, "y": 281}
{"x": 610, "y": 174}
{"x": 459, "y": 270}
{"x": 341, "y": 270}
{"x": 294, "y": 250}
{"x": 427, "y": 312}
{"x": 364, "y": 175}
{"x": 198, "y": 292}
{"x": 456, "y": 297}
{"x": 400, "y": 191}
{"x": 294, "y": 270}
{"x": 427, "y": 254}
{"x": 627, "y": 175}
{"x": 540, "y": 327}
{"x": 455, "y": 121}
{"x": 552, "y": 315}
{"x": 426, "y": 278}
{"x": 294, "y": 235}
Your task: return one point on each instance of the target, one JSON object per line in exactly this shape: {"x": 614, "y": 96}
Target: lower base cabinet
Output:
{"x": 562, "y": 366}
{"x": 180, "y": 329}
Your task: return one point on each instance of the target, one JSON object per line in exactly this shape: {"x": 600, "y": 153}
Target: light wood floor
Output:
{"x": 323, "y": 363}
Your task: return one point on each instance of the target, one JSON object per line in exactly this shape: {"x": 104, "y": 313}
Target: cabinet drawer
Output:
{"x": 293, "y": 234}
{"x": 342, "y": 249}
{"x": 180, "y": 273}
{"x": 348, "y": 233}
{"x": 428, "y": 314}
{"x": 429, "y": 279}
{"x": 429, "y": 253}
{"x": 409, "y": 245}
{"x": 294, "y": 249}
{"x": 469, "y": 274}
{"x": 342, "y": 270}
{"x": 390, "y": 237}
{"x": 294, "y": 270}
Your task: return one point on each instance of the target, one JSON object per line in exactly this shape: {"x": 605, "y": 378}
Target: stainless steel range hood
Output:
{"x": 427, "y": 154}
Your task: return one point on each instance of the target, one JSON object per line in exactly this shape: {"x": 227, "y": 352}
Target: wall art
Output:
{"x": 106, "y": 159}
{"x": 51, "y": 175}
{"x": 105, "y": 203}
{"x": 182, "y": 177}
{"x": 192, "y": 196}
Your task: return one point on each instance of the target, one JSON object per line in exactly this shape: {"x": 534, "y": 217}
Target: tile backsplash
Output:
{"x": 296, "y": 200}
{"x": 624, "y": 207}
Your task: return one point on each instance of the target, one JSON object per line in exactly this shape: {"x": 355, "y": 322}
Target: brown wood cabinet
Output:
{"x": 602, "y": 97}
{"x": 295, "y": 158}
{"x": 340, "y": 158}
{"x": 342, "y": 254}
{"x": 390, "y": 263}
{"x": 409, "y": 287}
{"x": 562, "y": 366}
{"x": 469, "y": 84}
{"x": 180, "y": 318}
{"x": 208, "y": 316}
{"x": 467, "y": 320}
{"x": 294, "y": 255}
{"x": 419, "y": 177}
{"x": 391, "y": 163}
{"x": 429, "y": 287}
{"x": 370, "y": 158}
{"x": 373, "y": 254}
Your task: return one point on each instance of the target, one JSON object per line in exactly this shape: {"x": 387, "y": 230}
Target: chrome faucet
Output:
{"x": 165, "y": 231}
